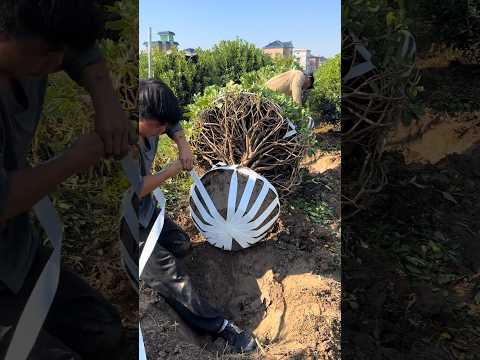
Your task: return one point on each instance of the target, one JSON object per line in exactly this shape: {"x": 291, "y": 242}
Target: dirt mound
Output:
{"x": 451, "y": 122}
{"x": 288, "y": 297}
{"x": 434, "y": 137}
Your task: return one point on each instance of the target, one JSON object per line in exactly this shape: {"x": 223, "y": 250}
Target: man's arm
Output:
{"x": 89, "y": 70}
{"x": 111, "y": 122}
{"x": 297, "y": 88}
{"x": 151, "y": 182}
{"x": 27, "y": 186}
{"x": 185, "y": 154}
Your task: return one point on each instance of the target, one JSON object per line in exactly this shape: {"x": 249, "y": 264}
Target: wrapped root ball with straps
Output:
{"x": 252, "y": 131}
{"x": 233, "y": 207}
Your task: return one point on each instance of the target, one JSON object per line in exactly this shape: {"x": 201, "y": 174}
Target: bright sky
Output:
{"x": 311, "y": 24}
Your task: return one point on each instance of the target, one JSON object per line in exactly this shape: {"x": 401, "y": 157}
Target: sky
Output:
{"x": 311, "y": 24}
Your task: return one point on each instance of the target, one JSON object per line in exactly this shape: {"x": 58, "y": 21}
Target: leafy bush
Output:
{"x": 296, "y": 113}
{"x": 325, "y": 99}
{"x": 181, "y": 75}
{"x": 453, "y": 23}
{"x": 227, "y": 61}
{"x": 382, "y": 23}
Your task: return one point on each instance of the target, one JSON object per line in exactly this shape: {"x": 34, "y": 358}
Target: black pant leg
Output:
{"x": 174, "y": 239}
{"x": 83, "y": 319}
{"x": 165, "y": 274}
{"x": 48, "y": 346}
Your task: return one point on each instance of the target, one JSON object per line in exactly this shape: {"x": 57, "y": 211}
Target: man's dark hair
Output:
{"x": 72, "y": 23}
{"x": 312, "y": 80}
{"x": 158, "y": 102}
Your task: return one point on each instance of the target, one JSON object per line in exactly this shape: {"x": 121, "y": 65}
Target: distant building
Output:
{"x": 166, "y": 43}
{"x": 316, "y": 62}
{"x": 302, "y": 56}
{"x": 308, "y": 62}
{"x": 279, "y": 49}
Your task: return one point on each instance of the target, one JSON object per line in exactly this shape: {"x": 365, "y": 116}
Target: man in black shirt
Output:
{"x": 37, "y": 38}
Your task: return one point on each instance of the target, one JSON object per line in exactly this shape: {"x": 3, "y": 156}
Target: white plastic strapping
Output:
{"x": 43, "y": 294}
{"x": 292, "y": 129}
{"x": 362, "y": 68}
{"x": 243, "y": 226}
{"x": 132, "y": 171}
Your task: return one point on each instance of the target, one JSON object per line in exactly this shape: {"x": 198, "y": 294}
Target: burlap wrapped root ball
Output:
{"x": 250, "y": 130}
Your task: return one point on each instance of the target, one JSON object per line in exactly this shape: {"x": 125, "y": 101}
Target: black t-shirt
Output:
{"x": 20, "y": 113}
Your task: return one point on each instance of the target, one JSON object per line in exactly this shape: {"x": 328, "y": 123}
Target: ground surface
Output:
{"x": 411, "y": 261}
{"x": 286, "y": 290}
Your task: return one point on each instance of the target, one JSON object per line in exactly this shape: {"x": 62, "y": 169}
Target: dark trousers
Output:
{"x": 165, "y": 273}
{"x": 81, "y": 324}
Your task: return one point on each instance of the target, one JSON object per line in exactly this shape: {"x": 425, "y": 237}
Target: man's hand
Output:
{"x": 185, "y": 154}
{"x": 113, "y": 127}
{"x": 111, "y": 122}
{"x": 151, "y": 182}
{"x": 86, "y": 152}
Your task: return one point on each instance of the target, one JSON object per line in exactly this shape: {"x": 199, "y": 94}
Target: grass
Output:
{"x": 318, "y": 212}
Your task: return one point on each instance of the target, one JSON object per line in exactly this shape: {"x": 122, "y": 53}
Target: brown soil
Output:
{"x": 286, "y": 289}
{"x": 410, "y": 264}
{"x": 451, "y": 124}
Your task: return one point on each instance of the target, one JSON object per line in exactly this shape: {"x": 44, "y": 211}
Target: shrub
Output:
{"x": 325, "y": 98}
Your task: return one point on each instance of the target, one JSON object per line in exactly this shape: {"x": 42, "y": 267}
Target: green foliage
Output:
{"x": 318, "y": 212}
{"x": 383, "y": 23}
{"x": 183, "y": 76}
{"x": 450, "y": 22}
{"x": 325, "y": 98}
{"x": 227, "y": 61}
{"x": 296, "y": 113}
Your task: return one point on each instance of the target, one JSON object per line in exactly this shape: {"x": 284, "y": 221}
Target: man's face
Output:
{"x": 28, "y": 57}
{"x": 151, "y": 127}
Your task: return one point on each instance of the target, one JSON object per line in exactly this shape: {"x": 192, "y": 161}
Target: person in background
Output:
{"x": 160, "y": 114}
{"x": 38, "y": 38}
{"x": 292, "y": 83}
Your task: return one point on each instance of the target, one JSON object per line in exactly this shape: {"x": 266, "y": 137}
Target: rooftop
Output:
{"x": 277, "y": 44}
{"x": 166, "y": 33}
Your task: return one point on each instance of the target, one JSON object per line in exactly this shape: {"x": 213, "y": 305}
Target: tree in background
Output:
{"x": 226, "y": 61}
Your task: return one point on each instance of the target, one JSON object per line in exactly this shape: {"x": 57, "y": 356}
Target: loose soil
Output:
{"x": 411, "y": 265}
{"x": 286, "y": 289}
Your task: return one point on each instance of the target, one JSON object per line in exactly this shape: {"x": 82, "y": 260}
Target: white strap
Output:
{"x": 292, "y": 131}
{"x": 238, "y": 225}
{"x": 132, "y": 171}
{"x": 41, "y": 298}
{"x": 362, "y": 68}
